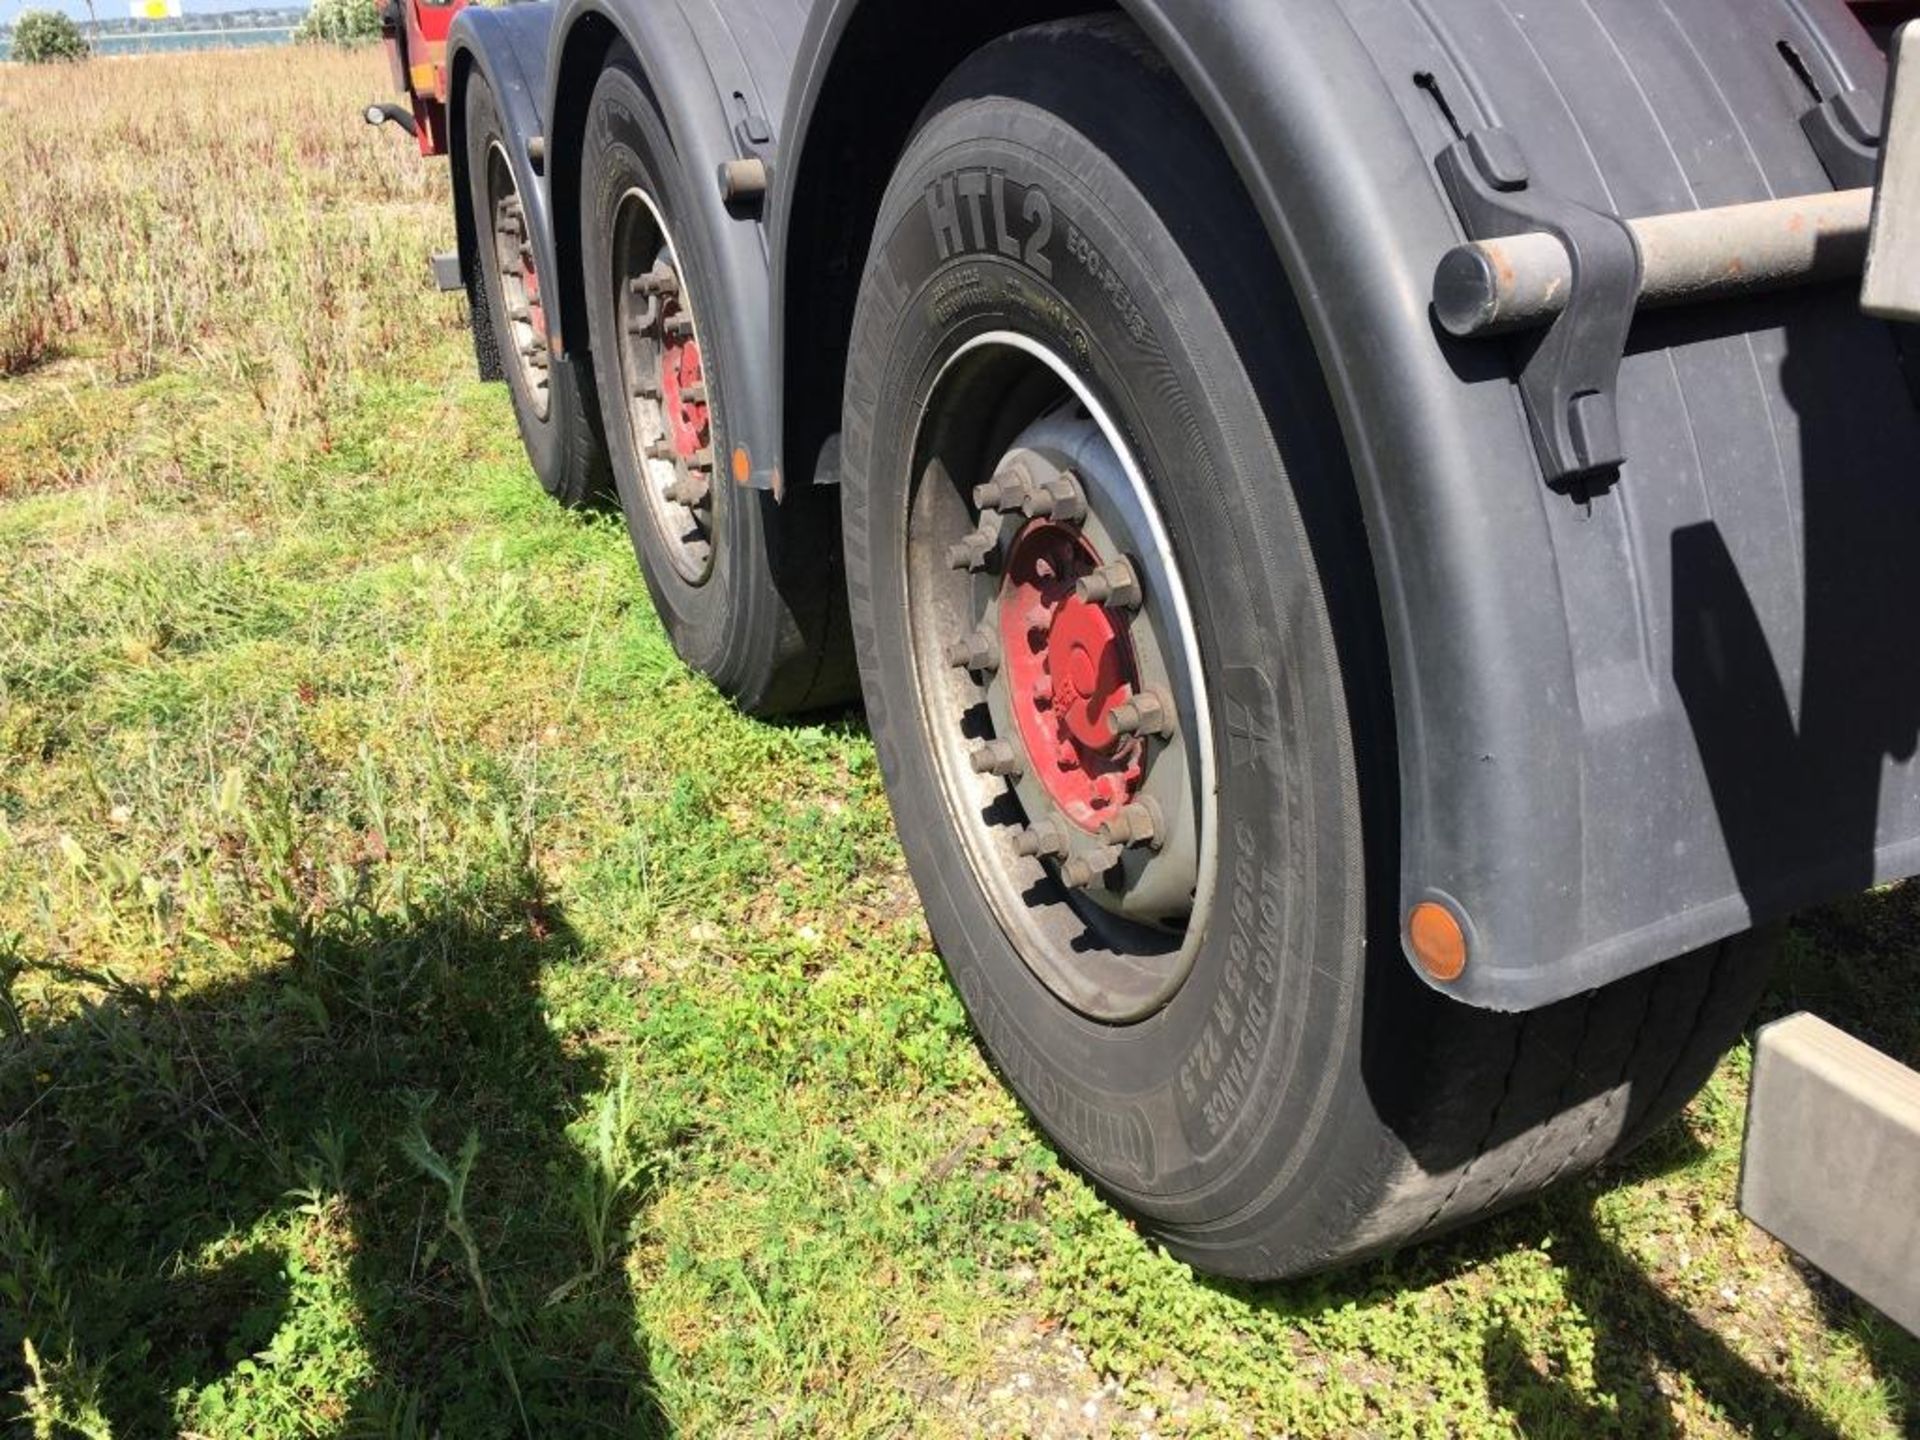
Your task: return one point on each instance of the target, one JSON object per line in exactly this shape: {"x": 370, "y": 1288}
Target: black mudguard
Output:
{"x": 1631, "y": 721}
{"x": 718, "y": 72}
{"x": 507, "y": 46}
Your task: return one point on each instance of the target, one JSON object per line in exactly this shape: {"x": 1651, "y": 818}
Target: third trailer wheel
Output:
{"x": 553, "y": 399}
{"x": 746, "y": 585}
{"x": 1121, "y": 653}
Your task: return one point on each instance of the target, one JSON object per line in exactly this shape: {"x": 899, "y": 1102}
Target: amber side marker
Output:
{"x": 1437, "y": 941}
{"x": 742, "y": 465}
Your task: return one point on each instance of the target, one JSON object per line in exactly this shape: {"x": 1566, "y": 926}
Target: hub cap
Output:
{"x": 664, "y": 376}
{"x": 1060, "y": 677}
{"x": 519, "y": 284}
{"x": 1069, "y": 664}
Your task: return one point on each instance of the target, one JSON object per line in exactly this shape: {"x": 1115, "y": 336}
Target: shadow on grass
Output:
{"x": 1858, "y": 965}
{"x": 340, "y": 1099}
{"x": 1647, "y": 1343}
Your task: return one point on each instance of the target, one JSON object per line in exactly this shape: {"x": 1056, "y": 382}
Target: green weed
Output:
{"x": 425, "y": 1009}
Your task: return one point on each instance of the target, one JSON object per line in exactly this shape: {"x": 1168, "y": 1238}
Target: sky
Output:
{"x": 117, "y": 9}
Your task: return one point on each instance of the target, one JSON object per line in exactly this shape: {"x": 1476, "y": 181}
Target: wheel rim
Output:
{"x": 664, "y": 377}
{"x": 1060, "y": 679}
{"x": 519, "y": 284}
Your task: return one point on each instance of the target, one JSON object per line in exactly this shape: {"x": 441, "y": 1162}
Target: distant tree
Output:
{"x": 42, "y": 36}
{"x": 341, "y": 22}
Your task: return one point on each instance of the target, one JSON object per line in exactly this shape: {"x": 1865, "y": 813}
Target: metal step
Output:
{"x": 1832, "y": 1162}
{"x": 1892, "y": 288}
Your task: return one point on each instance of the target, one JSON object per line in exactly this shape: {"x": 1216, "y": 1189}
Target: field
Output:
{"x": 428, "y": 1010}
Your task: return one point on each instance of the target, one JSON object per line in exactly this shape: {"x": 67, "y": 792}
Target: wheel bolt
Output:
{"x": 694, "y": 394}
{"x": 657, "y": 282}
{"x": 1116, "y": 586}
{"x": 974, "y": 552}
{"x": 1148, "y": 713}
{"x": 978, "y": 652}
{"x": 1045, "y": 841}
{"x": 662, "y": 450}
{"x": 1084, "y": 871}
{"x": 1060, "y": 498}
{"x": 1139, "y": 824}
{"x": 1006, "y": 491}
{"x": 999, "y": 757}
{"x": 679, "y": 327}
{"x": 690, "y": 490}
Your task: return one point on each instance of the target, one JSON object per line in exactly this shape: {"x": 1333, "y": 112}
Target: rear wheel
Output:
{"x": 747, "y": 586}
{"x": 553, "y": 399}
{"x": 1112, "y": 601}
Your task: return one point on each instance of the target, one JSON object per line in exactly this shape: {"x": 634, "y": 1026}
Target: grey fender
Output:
{"x": 1629, "y": 722}
{"x": 719, "y": 82}
{"x": 508, "y": 48}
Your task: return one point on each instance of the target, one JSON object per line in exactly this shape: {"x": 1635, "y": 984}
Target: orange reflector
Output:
{"x": 742, "y": 465}
{"x": 1437, "y": 941}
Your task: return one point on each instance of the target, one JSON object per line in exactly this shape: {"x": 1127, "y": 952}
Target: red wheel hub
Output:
{"x": 1068, "y": 663}
{"x": 682, "y": 393}
{"x": 530, "y": 282}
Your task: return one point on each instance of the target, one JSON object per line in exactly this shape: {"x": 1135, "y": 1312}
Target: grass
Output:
{"x": 430, "y": 1011}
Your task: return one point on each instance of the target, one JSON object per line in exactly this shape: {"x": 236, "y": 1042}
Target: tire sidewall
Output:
{"x": 544, "y": 439}
{"x": 626, "y": 148}
{"x": 1221, "y": 1098}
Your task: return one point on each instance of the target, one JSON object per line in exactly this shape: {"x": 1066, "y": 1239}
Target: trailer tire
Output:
{"x": 1066, "y": 269}
{"x": 748, "y": 586}
{"x": 553, "y": 398}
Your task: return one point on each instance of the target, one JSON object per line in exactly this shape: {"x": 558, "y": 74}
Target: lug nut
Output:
{"x": 1059, "y": 498}
{"x": 662, "y": 450}
{"x": 1117, "y": 586}
{"x": 1139, "y": 824}
{"x": 644, "y": 389}
{"x": 1084, "y": 871}
{"x": 1045, "y": 841}
{"x": 694, "y": 394}
{"x": 679, "y": 326}
{"x": 999, "y": 757}
{"x": 974, "y": 552}
{"x": 657, "y": 282}
{"x": 690, "y": 490}
{"x": 1148, "y": 713}
{"x": 1006, "y": 491}
{"x": 978, "y": 652}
